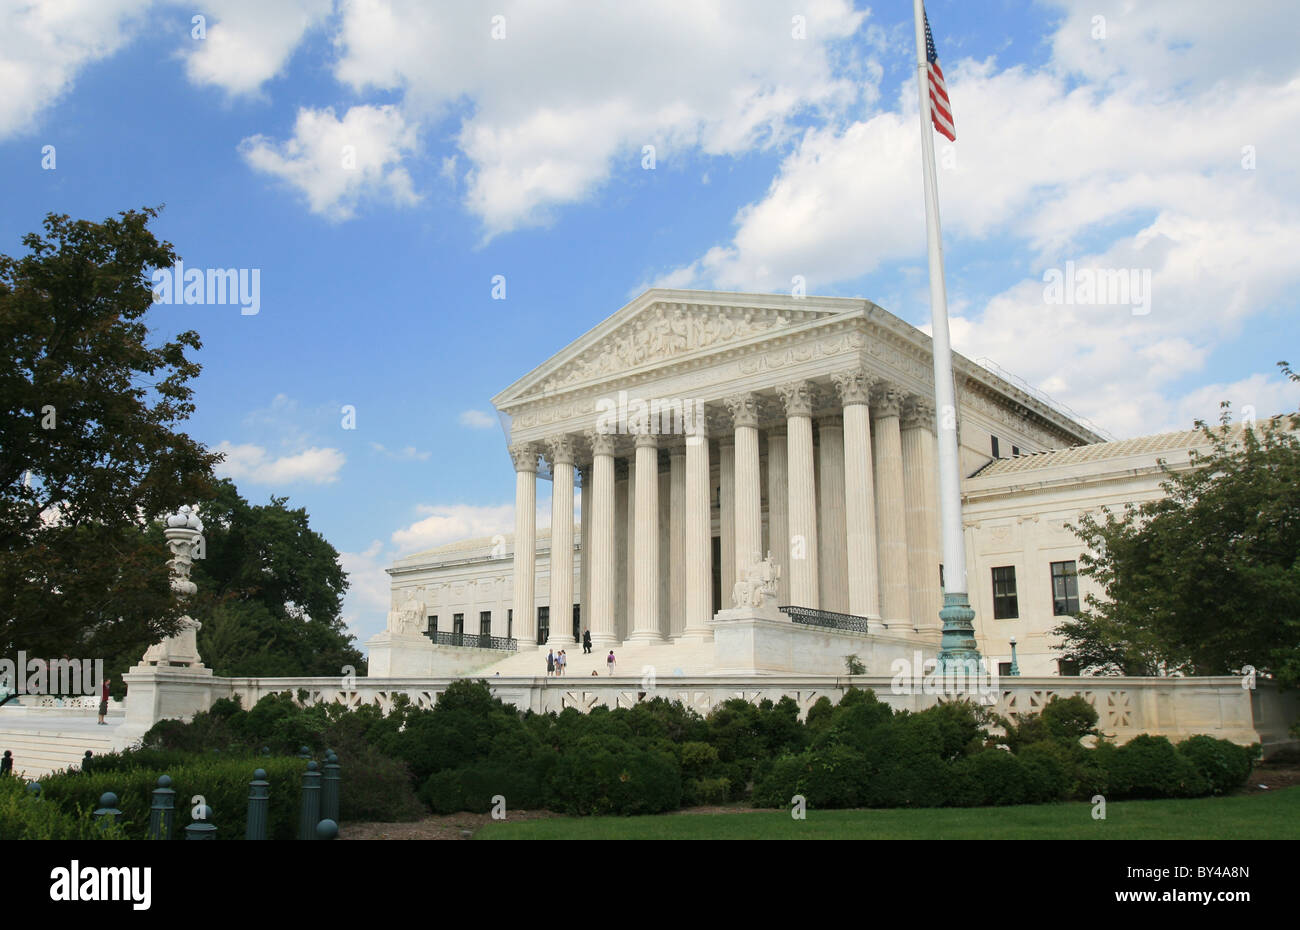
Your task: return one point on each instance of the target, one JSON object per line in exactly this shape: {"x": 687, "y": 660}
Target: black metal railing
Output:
{"x": 472, "y": 640}
{"x": 827, "y": 618}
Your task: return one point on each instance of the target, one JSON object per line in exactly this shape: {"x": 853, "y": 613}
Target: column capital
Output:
{"x": 886, "y": 400}
{"x": 743, "y": 409}
{"x": 524, "y": 455}
{"x": 602, "y": 443}
{"x": 918, "y": 413}
{"x": 561, "y": 449}
{"x": 853, "y": 386}
{"x": 647, "y": 440}
{"x": 797, "y": 397}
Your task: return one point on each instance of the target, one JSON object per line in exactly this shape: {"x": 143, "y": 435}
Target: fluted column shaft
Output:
{"x": 832, "y": 551}
{"x": 748, "y": 486}
{"x": 803, "y": 495}
{"x": 698, "y": 537}
{"x": 561, "y": 632}
{"x": 859, "y": 496}
{"x": 891, "y": 509}
{"x": 646, "y": 608}
{"x": 727, "y": 514}
{"x": 525, "y": 564}
{"x": 921, "y": 492}
{"x": 630, "y": 581}
{"x": 598, "y": 546}
{"x": 677, "y": 542}
{"x": 778, "y": 509}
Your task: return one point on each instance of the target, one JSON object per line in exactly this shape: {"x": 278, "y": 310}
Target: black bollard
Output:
{"x": 162, "y": 810}
{"x": 259, "y": 804}
{"x": 310, "y": 803}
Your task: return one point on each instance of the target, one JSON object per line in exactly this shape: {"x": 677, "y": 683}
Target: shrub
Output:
{"x": 24, "y": 816}
{"x": 835, "y": 776}
{"x": 443, "y": 793}
{"x": 1224, "y": 765}
{"x": 1048, "y": 772}
{"x": 997, "y": 776}
{"x": 780, "y": 783}
{"x": 1069, "y": 719}
{"x": 1150, "y": 767}
{"x": 612, "y": 777}
{"x": 697, "y": 791}
{"x": 222, "y": 782}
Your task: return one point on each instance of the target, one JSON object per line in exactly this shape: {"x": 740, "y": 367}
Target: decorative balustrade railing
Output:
{"x": 827, "y": 618}
{"x": 472, "y": 640}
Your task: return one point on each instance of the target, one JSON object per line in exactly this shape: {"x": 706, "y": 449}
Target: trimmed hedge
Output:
{"x": 24, "y": 816}
{"x": 1223, "y": 764}
{"x": 223, "y": 783}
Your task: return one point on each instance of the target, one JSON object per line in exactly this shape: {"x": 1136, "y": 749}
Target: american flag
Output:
{"x": 940, "y": 107}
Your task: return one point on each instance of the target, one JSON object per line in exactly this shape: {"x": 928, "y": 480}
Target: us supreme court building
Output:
{"x": 694, "y": 436}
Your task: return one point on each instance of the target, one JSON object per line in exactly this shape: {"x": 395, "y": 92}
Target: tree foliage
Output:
{"x": 91, "y": 450}
{"x": 1205, "y": 580}
{"x": 270, "y": 592}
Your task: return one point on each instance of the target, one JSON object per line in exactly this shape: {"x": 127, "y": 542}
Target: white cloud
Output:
{"x": 43, "y": 46}
{"x": 248, "y": 42}
{"x": 1110, "y": 173}
{"x": 365, "y": 605}
{"x": 444, "y": 524}
{"x": 407, "y": 454}
{"x": 249, "y": 462}
{"x": 574, "y": 86}
{"x": 337, "y": 163}
{"x": 477, "y": 419}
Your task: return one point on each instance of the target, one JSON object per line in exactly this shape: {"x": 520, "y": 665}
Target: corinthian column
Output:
{"x": 598, "y": 546}
{"x": 921, "y": 493}
{"x": 803, "y": 494}
{"x": 727, "y": 514}
{"x": 699, "y": 536}
{"x": 525, "y": 564}
{"x": 778, "y": 509}
{"x": 854, "y": 388}
{"x": 832, "y": 551}
{"x": 676, "y": 541}
{"x": 561, "y": 633}
{"x": 646, "y": 608}
{"x": 748, "y": 489}
{"x": 890, "y": 507}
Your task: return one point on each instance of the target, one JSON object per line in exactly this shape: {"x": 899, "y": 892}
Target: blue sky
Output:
{"x": 1159, "y": 138}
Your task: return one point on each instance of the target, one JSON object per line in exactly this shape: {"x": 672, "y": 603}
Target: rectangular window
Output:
{"x": 485, "y": 623}
{"x": 577, "y": 623}
{"x": 433, "y": 623}
{"x": 995, "y": 447}
{"x": 1067, "y": 667}
{"x": 1004, "y": 669}
{"x": 1015, "y": 450}
{"x": 1005, "y": 606}
{"x": 1065, "y": 589}
{"x": 543, "y": 624}
{"x": 457, "y": 629}
{"x": 510, "y": 623}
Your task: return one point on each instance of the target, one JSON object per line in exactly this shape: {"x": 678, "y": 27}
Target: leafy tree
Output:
{"x": 1205, "y": 580}
{"x": 270, "y": 592}
{"x": 90, "y": 448}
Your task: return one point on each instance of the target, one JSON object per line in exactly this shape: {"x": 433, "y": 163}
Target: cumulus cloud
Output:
{"x": 248, "y": 42}
{"x": 568, "y": 89}
{"x": 1100, "y": 158}
{"x": 442, "y": 524}
{"x": 365, "y": 605}
{"x": 43, "y": 46}
{"x": 477, "y": 419}
{"x": 337, "y": 163}
{"x": 253, "y": 463}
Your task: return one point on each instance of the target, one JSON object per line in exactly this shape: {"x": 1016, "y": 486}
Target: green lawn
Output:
{"x": 1275, "y": 815}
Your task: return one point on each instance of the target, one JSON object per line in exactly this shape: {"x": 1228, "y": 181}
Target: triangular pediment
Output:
{"x": 663, "y": 326}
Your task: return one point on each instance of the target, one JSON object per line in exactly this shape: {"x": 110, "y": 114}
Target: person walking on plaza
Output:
{"x": 550, "y": 663}
{"x": 103, "y": 702}
{"x": 561, "y": 661}
{"x": 610, "y": 662}
{"x": 586, "y": 642}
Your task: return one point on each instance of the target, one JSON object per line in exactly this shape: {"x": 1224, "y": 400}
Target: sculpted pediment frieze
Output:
{"x": 665, "y": 331}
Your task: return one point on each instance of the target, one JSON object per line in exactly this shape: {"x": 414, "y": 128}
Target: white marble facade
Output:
{"x": 702, "y": 430}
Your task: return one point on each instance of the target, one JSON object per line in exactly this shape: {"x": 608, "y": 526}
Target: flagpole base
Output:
{"x": 957, "y": 647}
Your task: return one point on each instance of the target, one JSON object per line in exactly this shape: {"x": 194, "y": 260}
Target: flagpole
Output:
{"x": 958, "y": 648}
